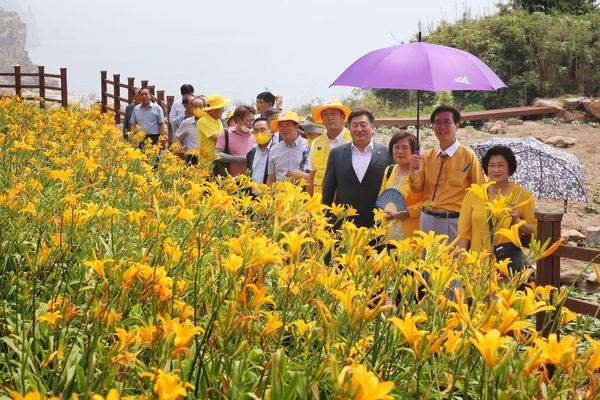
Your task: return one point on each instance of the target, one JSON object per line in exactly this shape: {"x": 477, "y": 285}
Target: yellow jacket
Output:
{"x": 320, "y": 155}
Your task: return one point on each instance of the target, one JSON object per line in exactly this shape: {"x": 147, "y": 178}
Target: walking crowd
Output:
{"x": 333, "y": 153}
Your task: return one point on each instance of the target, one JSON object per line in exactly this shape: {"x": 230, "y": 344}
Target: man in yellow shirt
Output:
{"x": 443, "y": 174}
{"x": 331, "y": 114}
{"x": 210, "y": 125}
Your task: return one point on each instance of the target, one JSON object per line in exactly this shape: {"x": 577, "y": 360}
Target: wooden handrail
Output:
{"x": 548, "y": 269}
{"x": 41, "y": 86}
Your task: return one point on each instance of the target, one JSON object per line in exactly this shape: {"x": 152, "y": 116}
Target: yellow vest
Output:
{"x": 320, "y": 155}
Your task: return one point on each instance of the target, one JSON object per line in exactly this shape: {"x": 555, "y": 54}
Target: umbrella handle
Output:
{"x": 418, "y": 152}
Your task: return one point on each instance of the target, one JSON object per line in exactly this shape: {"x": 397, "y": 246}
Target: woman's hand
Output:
{"x": 389, "y": 215}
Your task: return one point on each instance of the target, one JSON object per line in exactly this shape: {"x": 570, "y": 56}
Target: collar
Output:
{"x": 338, "y": 138}
{"x": 450, "y": 150}
{"x": 369, "y": 146}
{"x": 297, "y": 142}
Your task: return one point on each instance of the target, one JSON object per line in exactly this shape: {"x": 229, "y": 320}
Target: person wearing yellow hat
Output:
{"x": 287, "y": 156}
{"x": 332, "y": 115}
{"x": 210, "y": 125}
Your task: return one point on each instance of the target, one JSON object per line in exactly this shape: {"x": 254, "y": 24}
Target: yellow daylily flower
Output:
{"x": 259, "y": 296}
{"x": 552, "y": 248}
{"x": 513, "y": 233}
{"x": 408, "y": 327}
{"x": 557, "y": 352}
{"x": 184, "y": 332}
{"x": 481, "y": 190}
{"x": 594, "y": 361}
{"x": 347, "y": 297}
{"x": 50, "y": 318}
{"x": 295, "y": 242}
{"x": 29, "y": 396}
{"x": 273, "y": 323}
{"x": 303, "y": 326}
{"x": 369, "y": 387}
{"x": 489, "y": 344}
{"x": 113, "y": 394}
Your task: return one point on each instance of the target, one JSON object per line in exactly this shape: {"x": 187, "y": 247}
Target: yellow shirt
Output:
{"x": 320, "y": 154}
{"x": 457, "y": 174}
{"x": 412, "y": 201}
{"x": 473, "y": 221}
{"x": 208, "y": 127}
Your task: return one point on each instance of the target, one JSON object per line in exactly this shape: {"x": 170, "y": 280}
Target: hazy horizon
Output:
{"x": 296, "y": 49}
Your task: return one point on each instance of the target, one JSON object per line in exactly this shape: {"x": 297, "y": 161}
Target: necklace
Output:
{"x": 494, "y": 189}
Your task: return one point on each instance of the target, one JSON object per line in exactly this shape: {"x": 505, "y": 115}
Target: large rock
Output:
{"x": 592, "y": 235}
{"x": 499, "y": 128}
{"x": 574, "y": 116}
{"x": 573, "y": 234}
{"x": 574, "y": 103}
{"x": 592, "y": 107}
{"x": 514, "y": 122}
{"x": 546, "y": 103}
{"x": 13, "y": 35}
{"x": 561, "y": 141}
{"x": 487, "y": 126}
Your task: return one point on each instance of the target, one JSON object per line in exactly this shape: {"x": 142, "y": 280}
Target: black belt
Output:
{"x": 441, "y": 214}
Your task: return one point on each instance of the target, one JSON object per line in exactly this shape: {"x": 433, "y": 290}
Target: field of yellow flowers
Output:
{"x": 126, "y": 275}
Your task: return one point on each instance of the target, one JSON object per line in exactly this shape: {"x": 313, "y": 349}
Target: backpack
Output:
{"x": 222, "y": 168}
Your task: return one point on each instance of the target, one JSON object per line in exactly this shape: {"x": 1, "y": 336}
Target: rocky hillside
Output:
{"x": 13, "y": 35}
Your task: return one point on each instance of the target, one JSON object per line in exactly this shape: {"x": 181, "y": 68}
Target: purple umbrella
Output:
{"x": 420, "y": 66}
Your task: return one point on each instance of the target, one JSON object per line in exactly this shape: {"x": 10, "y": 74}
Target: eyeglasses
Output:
{"x": 446, "y": 122}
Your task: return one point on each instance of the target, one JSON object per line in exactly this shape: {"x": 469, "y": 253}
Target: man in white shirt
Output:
{"x": 355, "y": 170}
{"x": 177, "y": 107}
{"x": 286, "y": 156}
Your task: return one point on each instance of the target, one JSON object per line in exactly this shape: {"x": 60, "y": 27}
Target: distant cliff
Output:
{"x": 13, "y": 36}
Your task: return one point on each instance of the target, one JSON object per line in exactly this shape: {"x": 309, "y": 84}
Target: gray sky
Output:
{"x": 235, "y": 48}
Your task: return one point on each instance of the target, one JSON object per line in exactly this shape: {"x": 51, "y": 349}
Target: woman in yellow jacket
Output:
{"x": 402, "y": 145}
{"x": 499, "y": 163}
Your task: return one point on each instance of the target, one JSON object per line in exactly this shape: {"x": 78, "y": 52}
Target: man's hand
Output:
{"x": 415, "y": 162}
{"x": 296, "y": 174}
{"x": 278, "y": 100}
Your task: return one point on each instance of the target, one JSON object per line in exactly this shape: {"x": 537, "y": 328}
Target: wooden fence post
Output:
{"x": 170, "y": 100}
{"x": 103, "y": 90}
{"x": 42, "y": 85}
{"x": 151, "y": 89}
{"x": 130, "y": 84}
{"x": 18, "y": 80}
{"x": 144, "y": 83}
{"x": 64, "y": 94}
{"x": 548, "y": 269}
{"x": 117, "y": 102}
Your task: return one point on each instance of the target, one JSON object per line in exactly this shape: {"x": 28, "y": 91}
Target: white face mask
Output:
{"x": 245, "y": 129}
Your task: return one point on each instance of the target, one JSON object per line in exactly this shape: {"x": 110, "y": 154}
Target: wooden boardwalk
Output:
{"x": 474, "y": 115}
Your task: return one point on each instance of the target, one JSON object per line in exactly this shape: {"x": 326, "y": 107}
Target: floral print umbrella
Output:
{"x": 547, "y": 172}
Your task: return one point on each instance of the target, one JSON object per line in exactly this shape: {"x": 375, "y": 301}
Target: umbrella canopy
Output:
{"x": 420, "y": 66}
{"x": 545, "y": 171}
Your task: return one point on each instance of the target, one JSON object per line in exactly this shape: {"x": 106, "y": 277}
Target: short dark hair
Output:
{"x": 398, "y": 136}
{"x": 241, "y": 112}
{"x": 187, "y": 99}
{"x": 271, "y": 111}
{"x": 359, "y": 112}
{"x": 454, "y": 111}
{"x": 267, "y": 97}
{"x": 262, "y": 119}
{"x": 503, "y": 151}
{"x": 186, "y": 89}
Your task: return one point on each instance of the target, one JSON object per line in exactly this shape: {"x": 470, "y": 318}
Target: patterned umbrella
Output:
{"x": 544, "y": 170}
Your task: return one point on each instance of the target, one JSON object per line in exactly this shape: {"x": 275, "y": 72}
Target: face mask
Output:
{"x": 198, "y": 112}
{"x": 245, "y": 129}
{"x": 262, "y": 138}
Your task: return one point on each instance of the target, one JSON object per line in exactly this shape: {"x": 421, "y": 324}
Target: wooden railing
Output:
{"x": 41, "y": 86}
{"x": 118, "y": 100}
{"x": 548, "y": 269}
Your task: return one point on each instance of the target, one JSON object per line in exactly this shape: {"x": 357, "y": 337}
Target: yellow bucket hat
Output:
{"x": 216, "y": 101}
{"x": 316, "y": 114}
{"x": 284, "y": 116}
